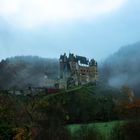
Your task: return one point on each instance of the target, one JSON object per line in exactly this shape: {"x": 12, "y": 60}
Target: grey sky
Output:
{"x": 95, "y": 33}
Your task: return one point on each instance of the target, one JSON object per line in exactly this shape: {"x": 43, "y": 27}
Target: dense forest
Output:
{"x": 40, "y": 116}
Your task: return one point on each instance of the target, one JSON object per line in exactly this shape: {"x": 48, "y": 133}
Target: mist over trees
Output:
{"x": 123, "y": 68}
{"x": 23, "y": 71}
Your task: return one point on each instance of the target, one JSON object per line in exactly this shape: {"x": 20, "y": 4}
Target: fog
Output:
{"x": 122, "y": 68}
{"x": 24, "y": 71}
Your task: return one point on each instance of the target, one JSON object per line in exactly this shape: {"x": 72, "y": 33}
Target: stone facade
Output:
{"x": 76, "y": 70}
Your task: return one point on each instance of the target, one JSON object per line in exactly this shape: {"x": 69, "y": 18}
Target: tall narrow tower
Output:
{"x": 93, "y": 73}
{"x": 63, "y": 66}
{"x": 64, "y": 71}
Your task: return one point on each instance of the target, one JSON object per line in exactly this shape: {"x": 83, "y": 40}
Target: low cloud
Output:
{"x": 123, "y": 68}
{"x": 31, "y": 13}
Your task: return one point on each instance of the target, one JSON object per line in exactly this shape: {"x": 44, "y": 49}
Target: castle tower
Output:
{"x": 72, "y": 63}
{"x": 64, "y": 66}
{"x": 93, "y": 73}
{"x": 64, "y": 71}
{"x": 73, "y": 68}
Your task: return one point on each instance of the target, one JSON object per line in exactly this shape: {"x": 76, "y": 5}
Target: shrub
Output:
{"x": 58, "y": 133}
{"x": 86, "y": 133}
{"x": 127, "y": 131}
{"x": 6, "y": 132}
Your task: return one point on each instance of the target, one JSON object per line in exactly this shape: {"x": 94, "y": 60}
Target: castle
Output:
{"x": 76, "y": 70}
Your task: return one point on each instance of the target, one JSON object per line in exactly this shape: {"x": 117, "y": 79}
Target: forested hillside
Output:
{"x": 122, "y": 68}
{"x": 24, "y": 71}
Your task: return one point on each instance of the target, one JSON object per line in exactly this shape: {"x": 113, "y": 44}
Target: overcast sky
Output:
{"x": 48, "y": 28}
